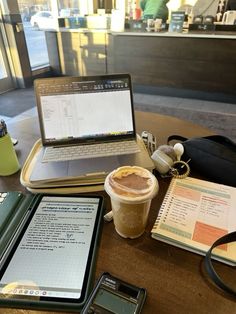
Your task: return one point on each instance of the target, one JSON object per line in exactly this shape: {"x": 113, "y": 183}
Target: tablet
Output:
{"x": 52, "y": 254}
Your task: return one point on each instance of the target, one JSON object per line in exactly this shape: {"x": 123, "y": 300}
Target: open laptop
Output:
{"x": 86, "y": 117}
{"x": 84, "y": 111}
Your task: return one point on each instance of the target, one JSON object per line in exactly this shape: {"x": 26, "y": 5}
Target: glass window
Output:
{"x": 36, "y": 18}
{"x": 6, "y": 81}
{"x": 3, "y": 72}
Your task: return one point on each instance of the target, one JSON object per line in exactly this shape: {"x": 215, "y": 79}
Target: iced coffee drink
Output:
{"x": 131, "y": 190}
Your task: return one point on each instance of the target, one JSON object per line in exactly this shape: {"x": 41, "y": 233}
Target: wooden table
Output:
{"x": 174, "y": 278}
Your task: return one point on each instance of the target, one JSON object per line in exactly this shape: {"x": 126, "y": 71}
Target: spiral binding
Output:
{"x": 163, "y": 207}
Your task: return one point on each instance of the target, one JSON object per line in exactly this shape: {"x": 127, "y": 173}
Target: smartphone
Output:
{"x": 112, "y": 295}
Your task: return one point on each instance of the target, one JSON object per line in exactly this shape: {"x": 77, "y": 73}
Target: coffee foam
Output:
{"x": 131, "y": 182}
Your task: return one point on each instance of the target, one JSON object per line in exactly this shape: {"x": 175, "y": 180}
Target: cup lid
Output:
{"x": 131, "y": 184}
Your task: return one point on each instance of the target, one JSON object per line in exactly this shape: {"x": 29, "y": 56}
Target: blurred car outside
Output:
{"x": 69, "y": 12}
{"x": 43, "y": 20}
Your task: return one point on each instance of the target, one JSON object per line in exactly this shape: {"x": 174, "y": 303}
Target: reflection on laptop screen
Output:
{"x": 82, "y": 110}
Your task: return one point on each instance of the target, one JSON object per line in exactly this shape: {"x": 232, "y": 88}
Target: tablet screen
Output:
{"x": 50, "y": 259}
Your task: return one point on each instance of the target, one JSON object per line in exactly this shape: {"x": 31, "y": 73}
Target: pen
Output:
{"x": 108, "y": 217}
{"x": 3, "y": 128}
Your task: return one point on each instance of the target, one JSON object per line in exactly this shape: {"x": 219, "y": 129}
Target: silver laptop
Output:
{"x": 86, "y": 117}
{"x": 86, "y": 111}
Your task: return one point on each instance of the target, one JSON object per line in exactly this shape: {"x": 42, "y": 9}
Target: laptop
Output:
{"x": 86, "y": 117}
{"x": 86, "y": 111}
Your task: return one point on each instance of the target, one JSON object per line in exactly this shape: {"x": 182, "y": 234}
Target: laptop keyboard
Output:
{"x": 64, "y": 153}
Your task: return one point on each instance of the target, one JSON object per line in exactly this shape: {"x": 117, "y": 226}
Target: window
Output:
{"x": 36, "y": 18}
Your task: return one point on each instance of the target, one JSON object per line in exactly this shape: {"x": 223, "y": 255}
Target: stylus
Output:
{"x": 14, "y": 141}
{"x": 108, "y": 217}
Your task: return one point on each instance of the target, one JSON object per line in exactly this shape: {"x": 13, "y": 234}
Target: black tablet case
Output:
{"x": 12, "y": 214}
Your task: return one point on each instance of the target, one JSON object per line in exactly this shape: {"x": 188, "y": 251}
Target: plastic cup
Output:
{"x": 8, "y": 160}
{"x": 150, "y": 25}
{"x": 158, "y": 24}
{"x": 131, "y": 190}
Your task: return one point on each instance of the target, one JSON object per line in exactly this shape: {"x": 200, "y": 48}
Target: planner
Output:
{"x": 194, "y": 214}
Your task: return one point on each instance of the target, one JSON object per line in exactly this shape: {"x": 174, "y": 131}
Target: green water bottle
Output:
{"x": 8, "y": 160}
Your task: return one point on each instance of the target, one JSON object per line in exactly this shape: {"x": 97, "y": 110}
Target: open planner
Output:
{"x": 194, "y": 214}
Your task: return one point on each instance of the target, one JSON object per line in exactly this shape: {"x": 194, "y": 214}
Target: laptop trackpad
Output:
{"x": 92, "y": 166}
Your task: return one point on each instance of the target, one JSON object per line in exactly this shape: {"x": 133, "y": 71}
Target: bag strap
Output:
{"x": 176, "y": 138}
{"x": 230, "y": 237}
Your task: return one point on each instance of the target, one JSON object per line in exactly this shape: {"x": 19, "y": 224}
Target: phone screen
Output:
{"x": 51, "y": 257}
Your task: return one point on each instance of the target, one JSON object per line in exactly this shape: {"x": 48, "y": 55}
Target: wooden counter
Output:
{"x": 77, "y": 53}
{"x": 199, "y": 62}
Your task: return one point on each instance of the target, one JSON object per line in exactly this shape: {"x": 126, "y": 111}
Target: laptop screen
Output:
{"x": 85, "y": 109}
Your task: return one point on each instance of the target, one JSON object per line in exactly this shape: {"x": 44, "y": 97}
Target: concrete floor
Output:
{"x": 217, "y": 116}
{"x": 220, "y": 117}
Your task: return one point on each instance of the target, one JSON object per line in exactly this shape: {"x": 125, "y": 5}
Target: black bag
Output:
{"x": 213, "y": 156}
